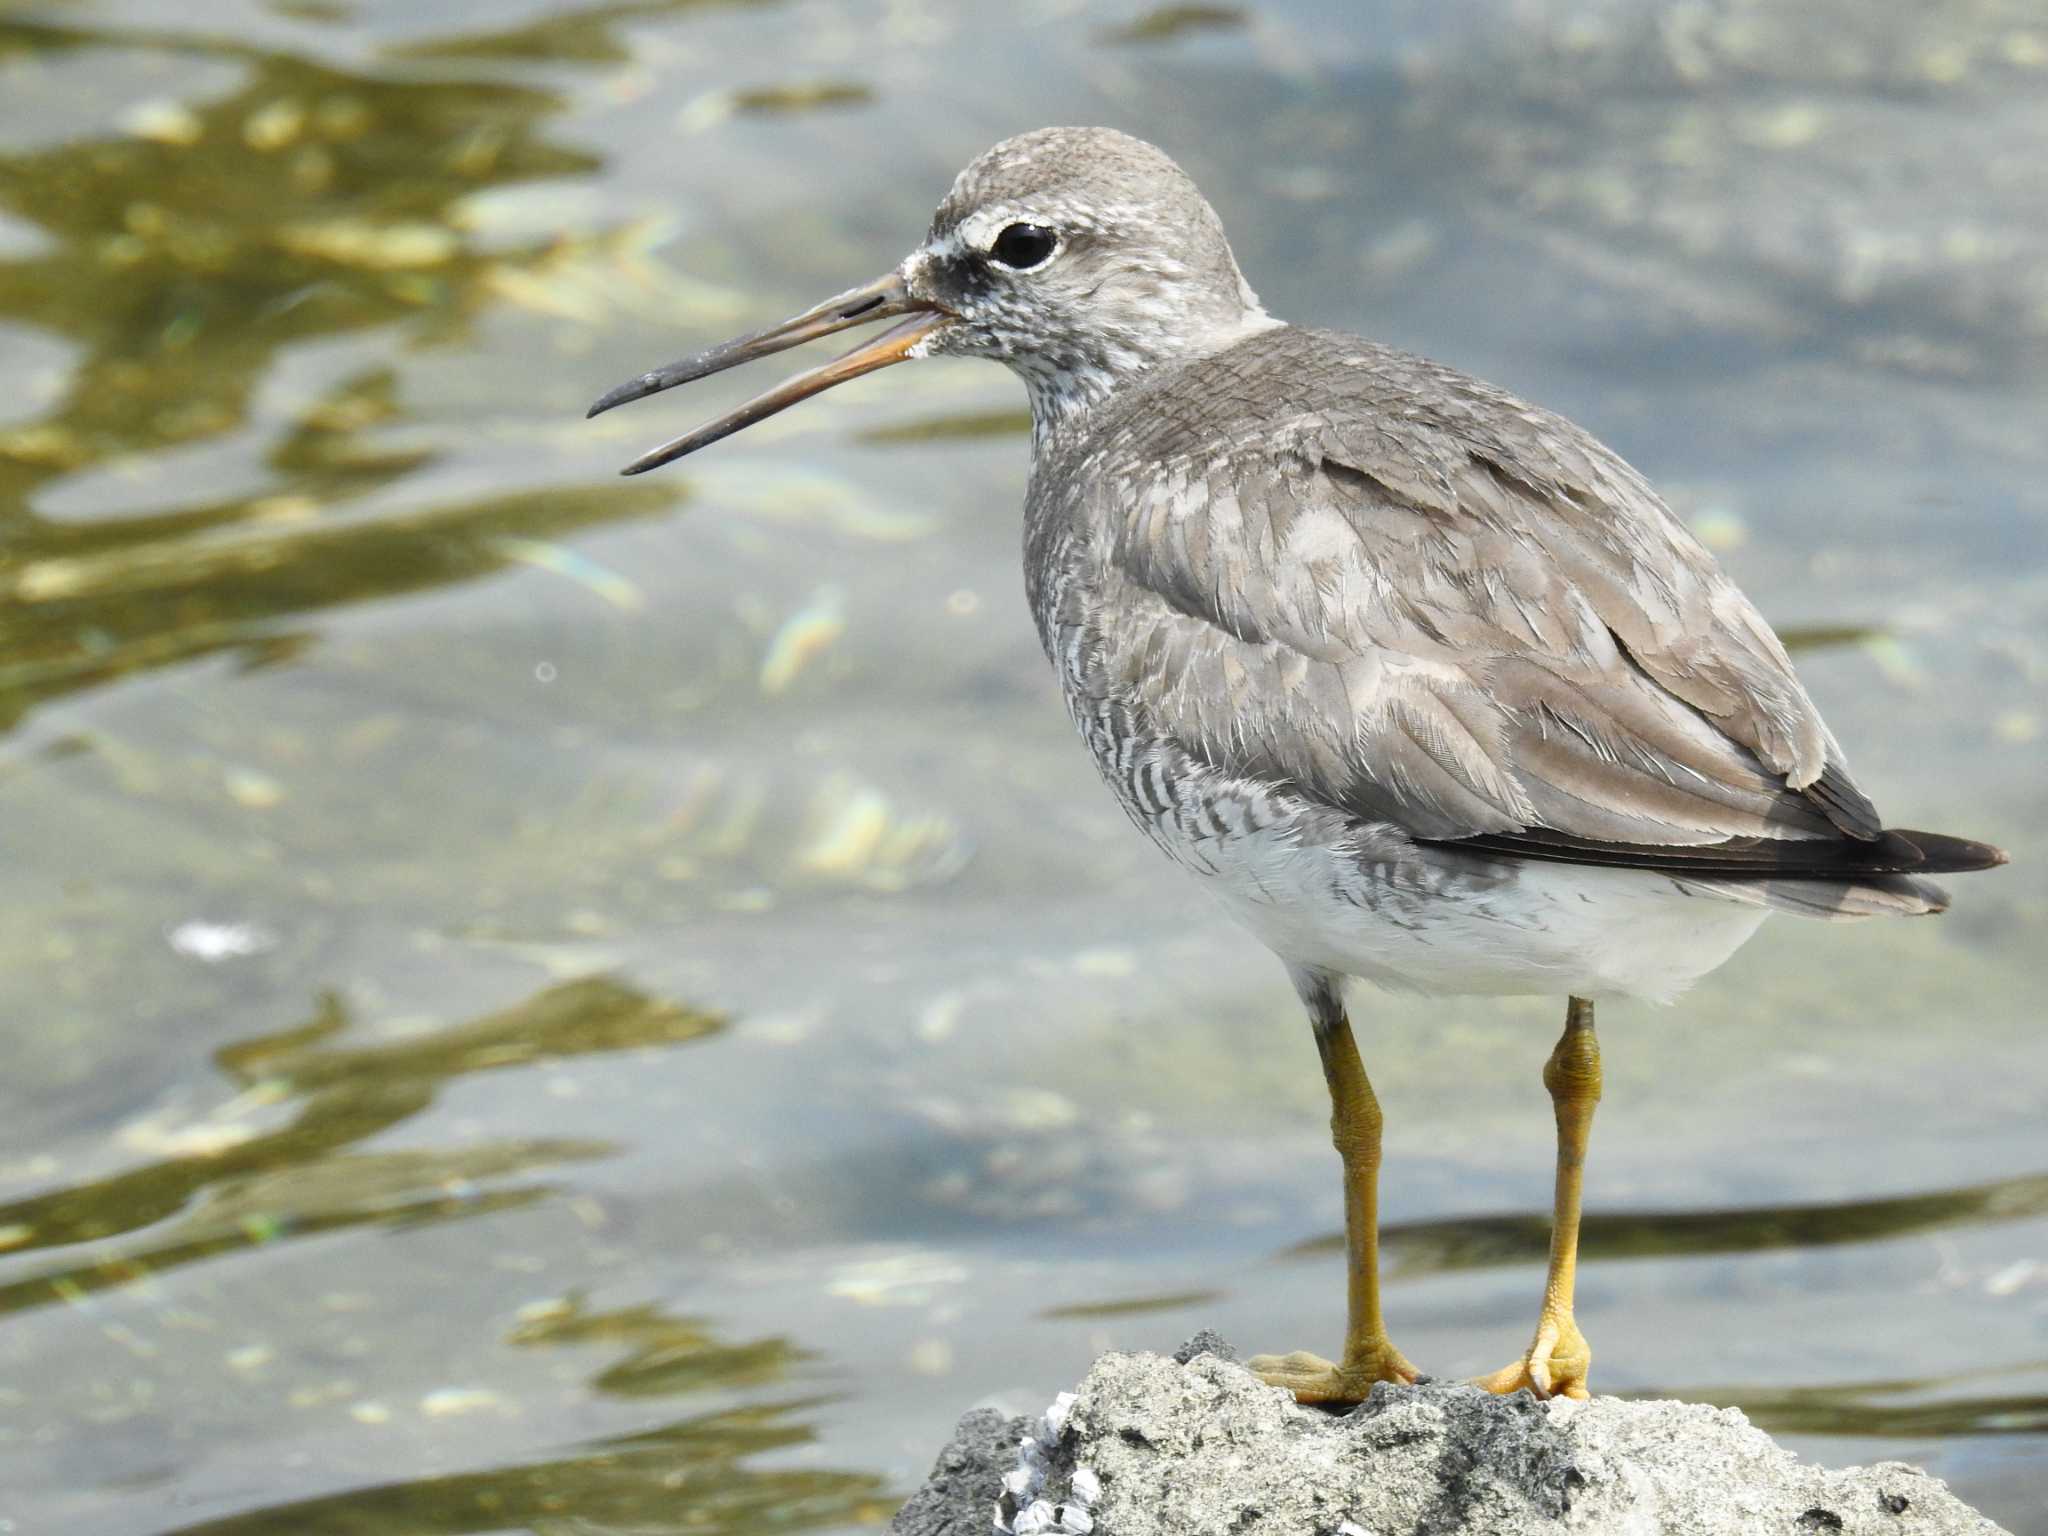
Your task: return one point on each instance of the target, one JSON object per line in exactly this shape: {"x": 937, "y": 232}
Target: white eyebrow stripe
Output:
{"x": 980, "y": 228}
{"x": 976, "y": 234}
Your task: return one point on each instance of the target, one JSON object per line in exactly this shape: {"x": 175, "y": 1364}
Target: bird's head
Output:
{"x": 1077, "y": 256}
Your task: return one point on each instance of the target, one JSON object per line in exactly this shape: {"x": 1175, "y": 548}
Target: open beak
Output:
{"x": 882, "y": 299}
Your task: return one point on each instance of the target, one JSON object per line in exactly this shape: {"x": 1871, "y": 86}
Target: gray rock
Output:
{"x": 1207, "y": 1342}
{"x": 1152, "y": 1446}
{"x": 960, "y": 1496}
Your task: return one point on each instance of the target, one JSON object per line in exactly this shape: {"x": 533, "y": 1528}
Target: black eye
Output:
{"x": 1024, "y": 246}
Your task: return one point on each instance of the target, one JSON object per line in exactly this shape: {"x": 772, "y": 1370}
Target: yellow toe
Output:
{"x": 1557, "y": 1364}
{"x": 1312, "y": 1379}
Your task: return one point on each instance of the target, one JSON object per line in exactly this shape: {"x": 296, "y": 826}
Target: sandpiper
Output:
{"x": 1425, "y": 683}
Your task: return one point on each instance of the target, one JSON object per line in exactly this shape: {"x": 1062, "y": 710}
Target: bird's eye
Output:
{"x": 1023, "y": 246}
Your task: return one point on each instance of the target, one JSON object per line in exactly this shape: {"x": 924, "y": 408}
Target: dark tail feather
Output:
{"x": 1939, "y": 854}
{"x": 1754, "y": 858}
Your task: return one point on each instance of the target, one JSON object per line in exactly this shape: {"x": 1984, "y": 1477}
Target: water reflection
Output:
{"x": 1166, "y": 22}
{"x": 299, "y": 304}
{"x": 183, "y": 259}
{"x": 665, "y": 1354}
{"x": 956, "y": 427}
{"x": 1801, "y": 638}
{"x": 231, "y": 1185}
{"x": 190, "y": 251}
{"x": 685, "y": 1476}
{"x": 588, "y": 35}
{"x": 1412, "y": 1249}
{"x": 1130, "y": 1306}
{"x": 83, "y": 619}
{"x": 1917, "y": 1409}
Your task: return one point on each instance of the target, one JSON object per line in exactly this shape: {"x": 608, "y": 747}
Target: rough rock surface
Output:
{"x": 1197, "y": 1446}
{"x": 967, "y": 1479}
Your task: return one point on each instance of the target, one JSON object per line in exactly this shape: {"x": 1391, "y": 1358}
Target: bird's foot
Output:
{"x": 1555, "y": 1366}
{"x": 1312, "y": 1379}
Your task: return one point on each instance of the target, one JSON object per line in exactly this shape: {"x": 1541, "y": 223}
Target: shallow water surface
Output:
{"x": 541, "y": 1002}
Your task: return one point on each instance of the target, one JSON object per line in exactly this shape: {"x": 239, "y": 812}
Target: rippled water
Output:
{"x": 539, "y": 1002}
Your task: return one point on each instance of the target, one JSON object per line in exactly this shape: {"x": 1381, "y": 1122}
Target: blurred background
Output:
{"x": 538, "y": 1002}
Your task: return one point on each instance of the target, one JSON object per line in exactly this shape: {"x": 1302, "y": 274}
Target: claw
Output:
{"x": 1556, "y": 1365}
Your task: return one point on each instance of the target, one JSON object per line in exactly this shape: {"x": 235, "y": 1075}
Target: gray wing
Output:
{"x": 1427, "y": 602}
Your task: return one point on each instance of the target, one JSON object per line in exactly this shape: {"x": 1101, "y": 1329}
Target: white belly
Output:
{"x": 1323, "y": 891}
{"x": 1327, "y": 891}
{"x": 1553, "y": 930}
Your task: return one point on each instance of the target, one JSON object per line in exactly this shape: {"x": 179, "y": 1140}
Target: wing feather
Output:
{"x": 1425, "y": 601}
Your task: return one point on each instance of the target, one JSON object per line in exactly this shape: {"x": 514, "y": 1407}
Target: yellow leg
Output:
{"x": 1558, "y": 1361}
{"x": 1355, "y": 1124}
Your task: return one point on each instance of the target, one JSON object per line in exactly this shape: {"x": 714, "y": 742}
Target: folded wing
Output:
{"x": 1465, "y": 617}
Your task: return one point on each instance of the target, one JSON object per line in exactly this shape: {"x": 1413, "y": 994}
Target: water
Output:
{"x": 542, "y": 1002}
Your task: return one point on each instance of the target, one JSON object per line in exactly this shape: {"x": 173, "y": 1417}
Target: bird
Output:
{"x": 1425, "y": 683}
